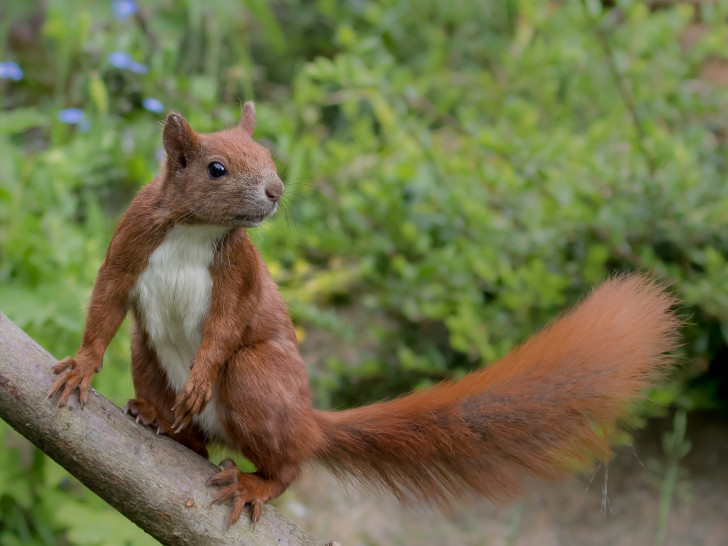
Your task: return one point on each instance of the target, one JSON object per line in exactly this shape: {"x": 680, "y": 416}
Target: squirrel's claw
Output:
{"x": 191, "y": 401}
{"x": 71, "y": 375}
{"x": 242, "y": 488}
{"x": 144, "y": 413}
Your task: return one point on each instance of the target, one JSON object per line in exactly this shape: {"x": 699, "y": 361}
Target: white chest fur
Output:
{"x": 172, "y": 297}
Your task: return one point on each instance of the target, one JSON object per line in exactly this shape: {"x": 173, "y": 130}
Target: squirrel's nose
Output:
{"x": 274, "y": 190}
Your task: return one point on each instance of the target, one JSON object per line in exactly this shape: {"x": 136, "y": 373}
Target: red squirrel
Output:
{"x": 214, "y": 357}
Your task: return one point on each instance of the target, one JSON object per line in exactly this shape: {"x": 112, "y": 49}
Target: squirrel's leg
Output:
{"x": 269, "y": 419}
{"x": 154, "y": 397}
{"x": 249, "y": 488}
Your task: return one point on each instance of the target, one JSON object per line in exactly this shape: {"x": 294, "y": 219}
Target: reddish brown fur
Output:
{"x": 155, "y": 398}
{"x": 533, "y": 413}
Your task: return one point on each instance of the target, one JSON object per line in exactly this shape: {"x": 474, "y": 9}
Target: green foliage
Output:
{"x": 458, "y": 172}
{"x": 669, "y": 476}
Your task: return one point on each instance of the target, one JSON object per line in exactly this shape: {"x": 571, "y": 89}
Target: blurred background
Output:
{"x": 458, "y": 172}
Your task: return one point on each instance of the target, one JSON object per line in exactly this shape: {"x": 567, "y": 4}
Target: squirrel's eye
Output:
{"x": 216, "y": 169}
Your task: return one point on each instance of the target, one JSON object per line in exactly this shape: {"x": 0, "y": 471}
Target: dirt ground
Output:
{"x": 564, "y": 514}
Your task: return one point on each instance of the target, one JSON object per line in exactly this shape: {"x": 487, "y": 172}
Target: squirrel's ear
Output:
{"x": 247, "y": 117}
{"x": 180, "y": 141}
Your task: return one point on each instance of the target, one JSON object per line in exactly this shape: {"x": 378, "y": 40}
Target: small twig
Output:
{"x": 623, "y": 89}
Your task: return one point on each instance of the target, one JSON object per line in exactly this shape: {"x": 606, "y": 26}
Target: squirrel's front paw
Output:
{"x": 191, "y": 401}
{"x": 72, "y": 372}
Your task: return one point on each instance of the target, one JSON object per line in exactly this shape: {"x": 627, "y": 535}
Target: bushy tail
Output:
{"x": 542, "y": 411}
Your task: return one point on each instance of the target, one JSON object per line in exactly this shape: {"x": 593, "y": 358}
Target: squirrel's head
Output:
{"x": 223, "y": 178}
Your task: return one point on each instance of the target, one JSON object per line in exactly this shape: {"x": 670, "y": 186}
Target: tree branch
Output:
{"x": 154, "y": 481}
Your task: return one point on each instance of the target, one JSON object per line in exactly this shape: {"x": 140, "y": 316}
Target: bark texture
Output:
{"x": 155, "y": 482}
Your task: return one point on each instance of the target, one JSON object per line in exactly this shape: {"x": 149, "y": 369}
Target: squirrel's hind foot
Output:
{"x": 243, "y": 488}
{"x": 145, "y": 414}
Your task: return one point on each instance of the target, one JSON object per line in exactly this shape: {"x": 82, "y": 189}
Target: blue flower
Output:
{"x": 122, "y": 60}
{"x": 123, "y": 9}
{"x": 153, "y": 105}
{"x": 119, "y": 59}
{"x": 9, "y": 70}
{"x": 74, "y": 116}
{"x": 137, "y": 68}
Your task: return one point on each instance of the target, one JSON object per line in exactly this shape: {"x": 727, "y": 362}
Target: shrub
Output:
{"x": 457, "y": 174}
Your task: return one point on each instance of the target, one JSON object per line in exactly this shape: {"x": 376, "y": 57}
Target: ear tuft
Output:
{"x": 247, "y": 117}
{"x": 180, "y": 141}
